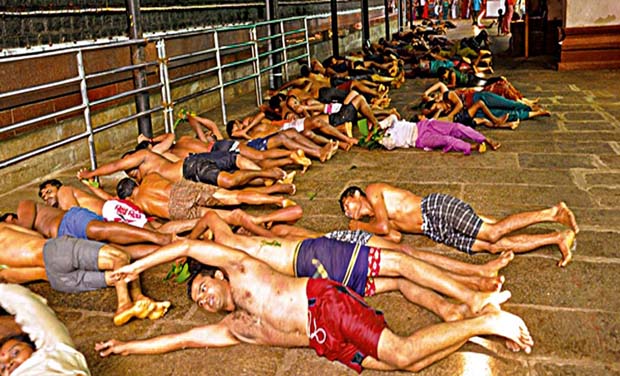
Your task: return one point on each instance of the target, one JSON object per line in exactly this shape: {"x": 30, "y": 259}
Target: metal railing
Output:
{"x": 221, "y": 56}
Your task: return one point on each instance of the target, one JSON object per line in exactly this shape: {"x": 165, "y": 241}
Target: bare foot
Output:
{"x": 278, "y": 173}
{"x": 482, "y": 299}
{"x": 324, "y": 152}
{"x": 491, "y": 268}
{"x": 283, "y": 188}
{"x": 511, "y": 327}
{"x": 566, "y": 217}
{"x": 160, "y": 309}
{"x": 394, "y": 111}
{"x": 126, "y": 313}
{"x": 490, "y": 284}
{"x": 287, "y": 202}
{"x": 288, "y": 178}
{"x": 454, "y": 312}
{"x": 300, "y": 158}
{"x": 513, "y": 124}
{"x": 503, "y": 119}
{"x": 333, "y": 148}
{"x": 345, "y": 146}
{"x": 568, "y": 245}
{"x": 493, "y": 144}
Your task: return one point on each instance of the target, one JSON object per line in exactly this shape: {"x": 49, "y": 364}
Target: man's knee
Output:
{"x": 115, "y": 257}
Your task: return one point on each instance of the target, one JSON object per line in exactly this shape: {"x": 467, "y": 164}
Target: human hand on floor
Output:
{"x": 126, "y": 273}
{"x": 111, "y": 347}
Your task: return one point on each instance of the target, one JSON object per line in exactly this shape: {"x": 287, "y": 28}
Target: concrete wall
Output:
{"x": 581, "y": 13}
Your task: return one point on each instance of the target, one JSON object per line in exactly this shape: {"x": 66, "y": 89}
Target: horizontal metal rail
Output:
{"x": 258, "y": 62}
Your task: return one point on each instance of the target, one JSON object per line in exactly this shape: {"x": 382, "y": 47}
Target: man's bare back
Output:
{"x": 20, "y": 245}
{"x": 402, "y": 206}
{"x": 153, "y": 195}
{"x": 69, "y": 197}
{"x": 41, "y": 218}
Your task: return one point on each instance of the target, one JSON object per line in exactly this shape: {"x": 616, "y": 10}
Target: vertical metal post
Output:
{"x": 307, "y": 39}
{"x": 275, "y": 75}
{"x": 365, "y": 22}
{"x": 220, "y": 76}
{"x": 134, "y": 21}
{"x": 256, "y": 66}
{"x": 411, "y": 14}
{"x": 89, "y": 126}
{"x": 400, "y": 15}
{"x": 284, "y": 54}
{"x": 386, "y": 6}
{"x": 334, "y": 11}
{"x": 166, "y": 98}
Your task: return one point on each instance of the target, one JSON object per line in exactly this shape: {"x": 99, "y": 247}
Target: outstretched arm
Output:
{"x": 216, "y": 335}
{"x": 94, "y": 188}
{"x": 457, "y": 105}
{"x": 163, "y": 142}
{"x": 130, "y": 161}
{"x": 204, "y": 251}
{"x": 207, "y": 123}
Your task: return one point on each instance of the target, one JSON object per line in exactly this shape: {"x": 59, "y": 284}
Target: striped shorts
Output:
{"x": 450, "y": 221}
{"x": 350, "y": 236}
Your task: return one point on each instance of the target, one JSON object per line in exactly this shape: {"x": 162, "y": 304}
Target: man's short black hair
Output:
{"x": 4, "y": 216}
{"x": 276, "y": 100}
{"x": 304, "y": 71}
{"x": 143, "y": 145}
{"x": 125, "y": 187}
{"x": 229, "y": 128}
{"x": 53, "y": 182}
{"x": 23, "y": 337}
{"x": 441, "y": 71}
{"x": 350, "y": 192}
{"x": 197, "y": 268}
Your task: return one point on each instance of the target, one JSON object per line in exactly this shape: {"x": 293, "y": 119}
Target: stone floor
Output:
{"x": 573, "y": 313}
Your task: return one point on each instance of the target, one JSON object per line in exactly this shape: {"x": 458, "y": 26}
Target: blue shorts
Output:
{"x": 343, "y": 262}
{"x": 75, "y": 221}
{"x": 259, "y": 143}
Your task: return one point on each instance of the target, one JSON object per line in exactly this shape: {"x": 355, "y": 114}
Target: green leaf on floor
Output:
{"x": 274, "y": 243}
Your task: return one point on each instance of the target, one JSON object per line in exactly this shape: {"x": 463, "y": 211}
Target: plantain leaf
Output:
{"x": 184, "y": 274}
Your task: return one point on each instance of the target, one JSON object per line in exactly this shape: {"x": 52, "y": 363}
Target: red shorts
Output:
{"x": 341, "y": 326}
{"x": 346, "y": 86}
{"x": 374, "y": 267}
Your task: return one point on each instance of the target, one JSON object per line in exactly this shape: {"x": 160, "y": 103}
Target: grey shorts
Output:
{"x": 71, "y": 264}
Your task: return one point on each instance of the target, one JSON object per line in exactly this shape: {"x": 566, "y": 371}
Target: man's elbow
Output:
{"x": 382, "y": 229}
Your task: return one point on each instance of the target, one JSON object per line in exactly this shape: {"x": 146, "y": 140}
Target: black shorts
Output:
{"x": 206, "y": 167}
{"x": 330, "y": 94}
{"x": 348, "y": 112}
{"x": 226, "y": 145}
{"x": 464, "y": 118}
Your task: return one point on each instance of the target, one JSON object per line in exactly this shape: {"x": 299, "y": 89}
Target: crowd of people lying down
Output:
{"x": 180, "y": 203}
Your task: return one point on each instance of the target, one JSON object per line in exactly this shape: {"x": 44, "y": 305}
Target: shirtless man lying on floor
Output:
{"x": 448, "y": 220}
{"x": 72, "y": 265}
{"x": 309, "y": 312}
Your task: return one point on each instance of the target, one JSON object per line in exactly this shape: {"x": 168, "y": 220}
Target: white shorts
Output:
{"x": 297, "y": 125}
{"x": 123, "y": 211}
